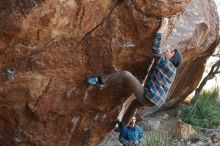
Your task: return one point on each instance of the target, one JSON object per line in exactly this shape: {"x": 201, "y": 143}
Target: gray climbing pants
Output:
{"x": 127, "y": 80}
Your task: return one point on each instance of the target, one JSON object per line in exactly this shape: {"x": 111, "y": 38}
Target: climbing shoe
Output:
{"x": 118, "y": 126}
{"x": 96, "y": 80}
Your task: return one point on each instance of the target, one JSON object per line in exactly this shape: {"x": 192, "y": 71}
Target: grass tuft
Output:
{"x": 157, "y": 138}
{"x": 205, "y": 112}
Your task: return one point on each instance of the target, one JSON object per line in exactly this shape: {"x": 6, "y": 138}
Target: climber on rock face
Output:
{"x": 159, "y": 79}
{"x": 132, "y": 134}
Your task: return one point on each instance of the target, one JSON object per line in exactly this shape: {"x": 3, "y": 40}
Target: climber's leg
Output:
{"x": 131, "y": 111}
{"x": 127, "y": 80}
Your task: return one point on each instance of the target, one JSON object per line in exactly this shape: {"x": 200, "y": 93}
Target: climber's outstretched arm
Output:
{"x": 157, "y": 39}
{"x": 163, "y": 25}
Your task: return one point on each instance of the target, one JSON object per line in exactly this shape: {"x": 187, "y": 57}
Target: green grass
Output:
{"x": 205, "y": 112}
{"x": 156, "y": 138}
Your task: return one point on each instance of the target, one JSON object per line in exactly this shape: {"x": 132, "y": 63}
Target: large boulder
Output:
{"x": 197, "y": 34}
{"x": 48, "y": 48}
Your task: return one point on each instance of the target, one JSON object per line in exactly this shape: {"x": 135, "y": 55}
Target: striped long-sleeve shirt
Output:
{"x": 160, "y": 77}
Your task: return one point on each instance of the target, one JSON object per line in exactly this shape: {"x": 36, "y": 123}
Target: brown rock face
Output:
{"x": 48, "y": 48}
{"x": 160, "y": 8}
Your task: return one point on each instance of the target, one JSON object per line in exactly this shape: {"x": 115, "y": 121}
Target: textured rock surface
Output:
{"x": 160, "y": 8}
{"x": 54, "y": 45}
